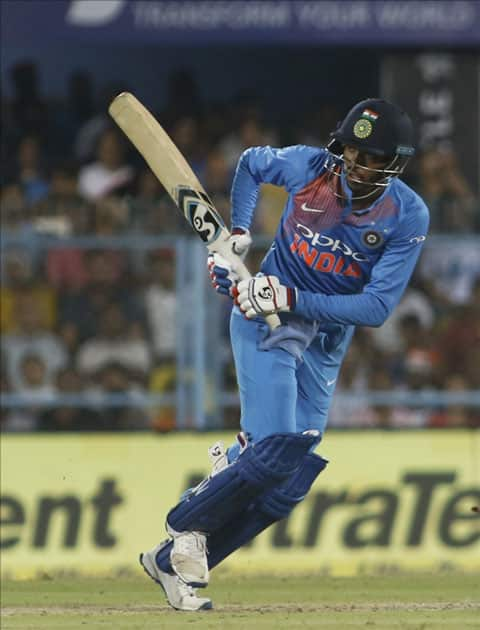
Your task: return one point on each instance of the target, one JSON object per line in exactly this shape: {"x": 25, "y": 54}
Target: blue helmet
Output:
{"x": 379, "y": 128}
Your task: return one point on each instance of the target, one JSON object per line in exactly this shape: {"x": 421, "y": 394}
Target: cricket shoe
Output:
{"x": 179, "y": 595}
{"x": 189, "y": 557}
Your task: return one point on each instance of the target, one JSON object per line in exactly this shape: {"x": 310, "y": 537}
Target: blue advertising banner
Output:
{"x": 323, "y": 22}
{"x": 441, "y": 91}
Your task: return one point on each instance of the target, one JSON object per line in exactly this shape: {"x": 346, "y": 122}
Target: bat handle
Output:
{"x": 223, "y": 247}
{"x": 273, "y": 320}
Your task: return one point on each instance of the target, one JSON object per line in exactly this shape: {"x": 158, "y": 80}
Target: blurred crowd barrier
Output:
{"x": 124, "y": 332}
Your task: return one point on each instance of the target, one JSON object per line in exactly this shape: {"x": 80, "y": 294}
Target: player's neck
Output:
{"x": 363, "y": 204}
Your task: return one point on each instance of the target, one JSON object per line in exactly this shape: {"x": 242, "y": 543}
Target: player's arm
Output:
{"x": 372, "y": 307}
{"x": 290, "y": 167}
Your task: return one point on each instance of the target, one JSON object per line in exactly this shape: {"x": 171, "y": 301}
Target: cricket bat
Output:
{"x": 178, "y": 179}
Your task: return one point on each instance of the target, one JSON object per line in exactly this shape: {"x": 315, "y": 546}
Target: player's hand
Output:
{"x": 222, "y": 274}
{"x": 264, "y": 295}
{"x": 241, "y": 241}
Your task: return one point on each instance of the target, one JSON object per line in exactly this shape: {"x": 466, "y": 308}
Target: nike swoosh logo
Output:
{"x": 331, "y": 382}
{"x": 307, "y": 209}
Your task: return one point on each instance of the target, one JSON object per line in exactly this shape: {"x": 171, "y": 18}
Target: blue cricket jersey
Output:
{"x": 350, "y": 267}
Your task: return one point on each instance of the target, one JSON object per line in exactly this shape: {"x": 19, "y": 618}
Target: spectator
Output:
{"x": 417, "y": 372}
{"x": 454, "y": 416}
{"x": 107, "y": 282}
{"x": 353, "y": 379}
{"x": 31, "y": 337}
{"x": 446, "y": 192}
{"x": 116, "y": 341}
{"x": 249, "y": 133}
{"x": 30, "y": 174}
{"x": 414, "y": 302}
{"x": 152, "y": 211}
{"x": 63, "y": 200}
{"x": 111, "y": 216}
{"x": 115, "y": 378}
{"x": 451, "y": 269}
{"x": 70, "y": 418}
{"x": 163, "y": 381}
{"x": 161, "y": 301}
{"x": 217, "y": 179}
{"x": 34, "y": 380}
{"x": 18, "y": 284}
{"x": 15, "y": 214}
{"x": 67, "y": 267}
{"x": 95, "y": 125}
{"x": 185, "y": 134}
{"x": 109, "y": 173}
{"x": 459, "y": 344}
{"x": 16, "y": 419}
{"x": 29, "y": 110}
{"x": 183, "y": 96}
{"x": 77, "y": 109}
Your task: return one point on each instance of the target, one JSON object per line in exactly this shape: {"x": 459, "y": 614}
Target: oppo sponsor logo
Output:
{"x": 335, "y": 245}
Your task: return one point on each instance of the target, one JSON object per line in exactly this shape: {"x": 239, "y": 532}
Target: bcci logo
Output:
{"x": 372, "y": 239}
{"x": 362, "y": 128}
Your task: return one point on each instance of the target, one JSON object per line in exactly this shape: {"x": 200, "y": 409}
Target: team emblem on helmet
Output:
{"x": 372, "y": 239}
{"x": 362, "y": 128}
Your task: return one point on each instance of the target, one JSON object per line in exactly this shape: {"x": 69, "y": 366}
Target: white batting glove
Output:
{"x": 222, "y": 274}
{"x": 241, "y": 241}
{"x": 264, "y": 295}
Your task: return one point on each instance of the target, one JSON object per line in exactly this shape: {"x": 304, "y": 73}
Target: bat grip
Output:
{"x": 273, "y": 320}
{"x": 223, "y": 247}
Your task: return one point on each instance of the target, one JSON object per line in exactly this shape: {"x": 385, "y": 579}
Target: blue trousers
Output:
{"x": 284, "y": 390}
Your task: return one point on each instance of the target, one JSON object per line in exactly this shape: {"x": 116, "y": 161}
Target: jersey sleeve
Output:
{"x": 388, "y": 280}
{"x": 289, "y": 167}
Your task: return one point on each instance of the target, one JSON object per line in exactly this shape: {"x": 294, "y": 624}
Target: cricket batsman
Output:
{"x": 347, "y": 243}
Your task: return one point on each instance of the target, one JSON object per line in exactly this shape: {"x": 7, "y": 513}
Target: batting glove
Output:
{"x": 264, "y": 295}
{"x": 241, "y": 241}
{"x": 222, "y": 274}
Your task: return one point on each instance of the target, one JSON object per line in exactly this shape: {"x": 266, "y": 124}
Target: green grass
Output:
{"x": 404, "y": 602}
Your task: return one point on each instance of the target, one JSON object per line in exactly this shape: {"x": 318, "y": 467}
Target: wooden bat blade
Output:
{"x": 169, "y": 166}
{"x": 177, "y": 177}
{"x": 153, "y": 142}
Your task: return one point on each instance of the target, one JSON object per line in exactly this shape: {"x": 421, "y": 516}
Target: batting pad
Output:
{"x": 260, "y": 467}
{"x": 271, "y": 506}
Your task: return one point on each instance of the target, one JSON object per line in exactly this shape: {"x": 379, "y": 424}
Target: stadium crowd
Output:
{"x": 92, "y": 320}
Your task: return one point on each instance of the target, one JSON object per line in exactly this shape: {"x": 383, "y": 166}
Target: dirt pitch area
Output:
{"x": 425, "y": 602}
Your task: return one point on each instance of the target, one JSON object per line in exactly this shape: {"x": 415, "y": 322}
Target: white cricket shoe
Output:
{"x": 189, "y": 557}
{"x": 179, "y": 595}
